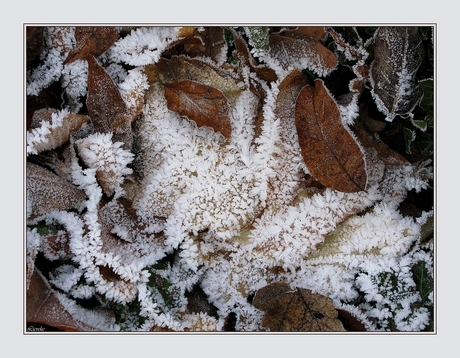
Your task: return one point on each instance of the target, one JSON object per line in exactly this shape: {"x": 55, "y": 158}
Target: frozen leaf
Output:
{"x": 300, "y": 51}
{"x": 246, "y": 61}
{"x": 331, "y": 153}
{"x": 45, "y": 306}
{"x": 296, "y": 310}
{"x": 51, "y": 128}
{"x": 91, "y": 40}
{"x": 47, "y": 192}
{"x": 105, "y": 104}
{"x": 110, "y": 160}
{"x": 258, "y": 37}
{"x": 145, "y": 45}
{"x": 179, "y": 69}
{"x": 205, "y": 105}
{"x": 398, "y": 54}
{"x": 205, "y": 41}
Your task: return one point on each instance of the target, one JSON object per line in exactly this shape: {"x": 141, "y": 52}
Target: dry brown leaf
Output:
{"x": 330, "y": 152}
{"x": 181, "y": 68}
{"x": 296, "y": 310}
{"x": 205, "y": 41}
{"x": 314, "y": 32}
{"x": 44, "y": 306}
{"x": 300, "y": 50}
{"x": 106, "y": 106}
{"x": 47, "y": 192}
{"x": 398, "y": 53}
{"x": 57, "y": 135}
{"x": 91, "y": 40}
{"x": 205, "y": 105}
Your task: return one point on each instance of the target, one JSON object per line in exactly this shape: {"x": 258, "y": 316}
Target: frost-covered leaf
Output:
{"x": 51, "y": 128}
{"x": 258, "y": 38}
{"x": 47, "y": 192}
{"x": 179, "y": 69}
{"x": 46, "y": 306}
{"x": 246, "y": 61}
{"x": 91, "y": 40}
{"x": 409, "y": 137}
{"x": 106, "y": 107}
{"x": 110, "y": 160}
{"x": 206, "y": 41}
{"x": 144, "y": 45}
{"x": 58, "y": 42}
{"x": 300, "y": 51}
{"x": 296, "y": 310}
{"x": 398, "y": 53}
{"x": 206, "y": 106}
{"x": 330, "y": 151}
{"x": 427, "y": 101}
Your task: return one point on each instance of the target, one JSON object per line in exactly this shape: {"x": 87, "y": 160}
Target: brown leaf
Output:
{"x": 302, "y": 51}
{"x": 398, "y": 55}
{"x": 44, "y": 306}
{"x": 104, "y": 101}
{"x": 330, "y": 152}
{"x": 57, "y": 135}
{"x": 181, "y": 68}
{"x": 314, "y": 32}
{"x": 91, "y": 40}
{"x": 296, "y": 310}
{"x": 205, "y": 105}
{"x": 47, "y": 192}
{"x": 106, "y": 106}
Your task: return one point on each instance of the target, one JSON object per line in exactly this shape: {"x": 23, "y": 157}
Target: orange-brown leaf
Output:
{"x": 205, "y": 105}
{"x": 330, "y": 152}
{"x": 105, "y": 103}
{"x": 91, "y": 40}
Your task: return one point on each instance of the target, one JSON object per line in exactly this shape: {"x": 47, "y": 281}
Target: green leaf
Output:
{"x": 259, "y": 37}
{"x": 420, "y": 124}
{"x": 409, "y": 137}
{"x": 423, "y": 280}
{"x": 427, "y": 100}
{"x": 425, "y": 144}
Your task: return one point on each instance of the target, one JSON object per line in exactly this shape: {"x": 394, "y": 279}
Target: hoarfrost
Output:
{"x": 143, "y": 46}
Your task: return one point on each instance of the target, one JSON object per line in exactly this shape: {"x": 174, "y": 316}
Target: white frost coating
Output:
{"x": 37, "y": 137}
{"x": 133, "y": 87}
{"x": 143, "y": 46}
{"x": 58, "y": 41}
{"x": 65, "y": 277}
{"x": 109, "y": 159}
{"x": 350, "y": 111}
{"x": 97, "y": 320}
{"x": 195, "y": 180}
{"x": 74, "y": 82}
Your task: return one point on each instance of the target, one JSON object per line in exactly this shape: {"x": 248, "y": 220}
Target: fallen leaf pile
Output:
{"x": 229, "y": 178}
